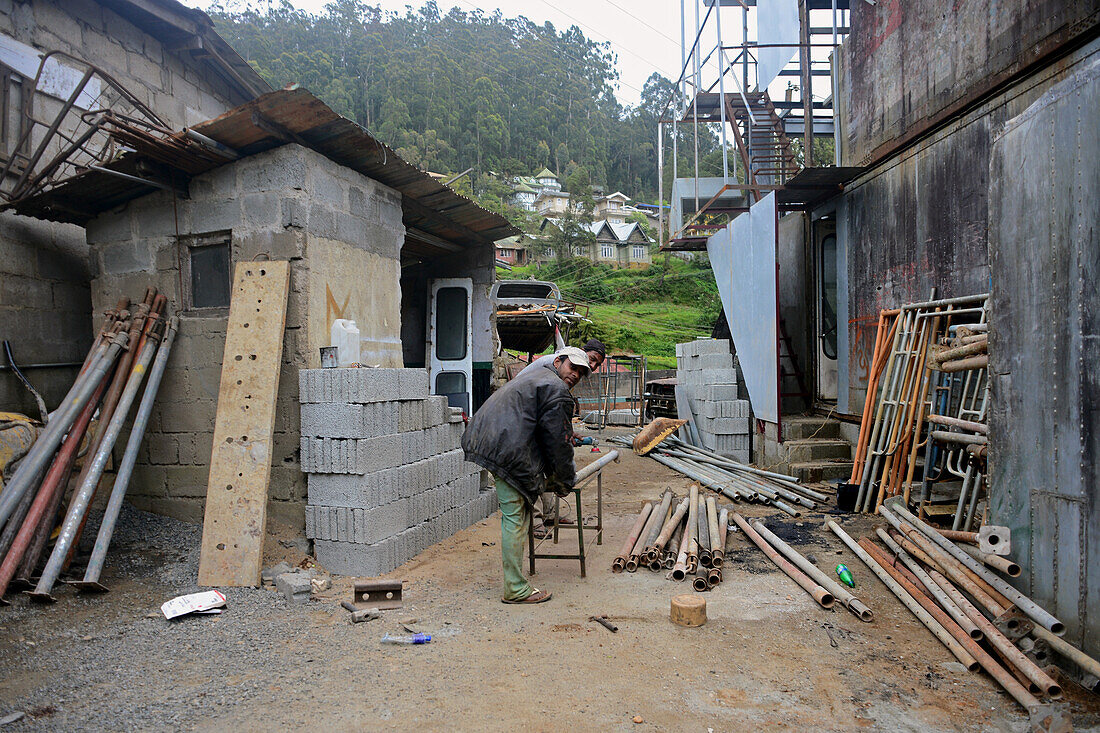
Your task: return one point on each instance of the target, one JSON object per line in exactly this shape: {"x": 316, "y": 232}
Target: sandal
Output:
{"x": 537, "y": 596}
{"x": 543, "y": 532}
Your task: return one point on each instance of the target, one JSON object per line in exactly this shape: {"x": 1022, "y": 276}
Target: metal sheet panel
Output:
{"x": 743, "y": 259}
{"x": 1044, "y": 243}
{"x": 776, "y": 22}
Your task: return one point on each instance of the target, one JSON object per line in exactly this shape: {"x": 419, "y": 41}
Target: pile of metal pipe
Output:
{"x": 685, "y": 536}
{"x": 735, "y": 481}
{"x": 134, "y": 341}
{"x": 924, "y": 385}
{"x": 982, "y": 619}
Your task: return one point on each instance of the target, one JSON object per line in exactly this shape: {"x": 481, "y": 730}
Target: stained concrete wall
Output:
{"x": 906, "y": 66}
{"x": 1044, "y": 427}
{"x": 45, "y": 304}
{"x": 342, "y": 233}
{"x": 919, "y": 222}
{"x": 795, "y": 290}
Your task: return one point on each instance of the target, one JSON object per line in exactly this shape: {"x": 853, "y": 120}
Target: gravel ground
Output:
{"x": 768, "y": 657}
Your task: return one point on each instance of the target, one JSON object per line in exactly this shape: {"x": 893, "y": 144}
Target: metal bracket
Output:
{"x": 1014, "y": 624}
{"x": 380, "y": 594}
{"x": 995, "y": 540}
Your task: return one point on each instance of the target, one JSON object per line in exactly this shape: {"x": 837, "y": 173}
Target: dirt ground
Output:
{"x": 768, "y": 657}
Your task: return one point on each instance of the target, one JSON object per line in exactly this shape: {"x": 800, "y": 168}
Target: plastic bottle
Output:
{"x": 345, "y": 337}
{"x": 406, "y": 638}
{"x": 845, "y": 576}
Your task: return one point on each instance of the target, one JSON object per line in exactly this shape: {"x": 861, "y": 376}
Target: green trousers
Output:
{"x": 515, "y": 522}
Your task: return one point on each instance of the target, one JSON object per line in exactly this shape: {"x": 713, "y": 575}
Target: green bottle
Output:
{"x": 845, "y": 576}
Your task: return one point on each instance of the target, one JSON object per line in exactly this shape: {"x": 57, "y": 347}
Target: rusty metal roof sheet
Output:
{"x": 431, "y": 209}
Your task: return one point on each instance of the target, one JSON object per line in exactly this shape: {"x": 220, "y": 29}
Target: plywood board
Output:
{"x": 240, "y": 462}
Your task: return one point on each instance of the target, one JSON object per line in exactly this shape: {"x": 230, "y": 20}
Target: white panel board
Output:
{"x": 58, "y": 80}
{"x": 743, "y": 259}
{"x": 776, "y": 22}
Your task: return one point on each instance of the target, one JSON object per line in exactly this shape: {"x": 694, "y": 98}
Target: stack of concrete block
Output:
{"x": 385, "y": 471}
{"x": 706, "y": 373}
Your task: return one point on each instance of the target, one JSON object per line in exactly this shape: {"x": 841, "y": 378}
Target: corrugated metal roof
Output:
{"x": 269, "y": 121}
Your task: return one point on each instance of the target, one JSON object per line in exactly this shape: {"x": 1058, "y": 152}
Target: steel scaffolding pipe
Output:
{"x": 716, "y": 549}
{"x": 954, "y": 422}
{"x": 1035, "y": 612}
{"x": 822, "y": 596}
{"x": 78, "y": 506}
{"x": 40, "y": 454}
{"x": 954, "y": 645}
{"x": 666, "y": 532}
{"x": 647, "y": 555}
{"x": 129, "y": 458}
{"x": 839, "y": 592}
{"x": 997, "y": 562}
{"x": 704, "y": 533}
{"x": 619, "y": 563}
{"x": 679, "y": 568}
{"x": 635, "y": 552}
{"x": 945, "y": 601}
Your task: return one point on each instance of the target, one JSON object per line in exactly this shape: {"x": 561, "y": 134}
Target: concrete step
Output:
{"x": 817, "y": 471}
{"x": 810, "y": 426}
{"x": 817, "y": 449}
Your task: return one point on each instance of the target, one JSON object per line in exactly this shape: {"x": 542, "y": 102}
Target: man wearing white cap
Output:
{"x": 522, "y": 435}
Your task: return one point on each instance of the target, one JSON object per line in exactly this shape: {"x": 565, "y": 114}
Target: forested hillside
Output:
{"x": 455, "y": 89}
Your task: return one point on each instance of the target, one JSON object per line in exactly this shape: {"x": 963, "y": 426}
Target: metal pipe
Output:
{"x": 129, "y": 458}
{"x": 655, "y": 529}
{"x": 996, "y": 562}
{"x": 973, "y": 362}
{"x": 673, "y": 547}
{"x": 592, "y": 468}
{"x": 619, "y": 563}
{"x": 937, "y": 592}
{"x": 838, "y": 591}
{"x": 716, "y": 548}
{"x": 42, "y": 411}
{"x": 43, "y": 449}
{"x": 700, "y": 583}
{"x": 1070, "y": 652}
{"x": 955, "y": 646}
{"x": 670, "y": 526}
{"x": 692, "y": 530}
{"x": 958, "y": 535}
{"x": 822, "y": 596}
{"x": 1041, "y": 680}
{"x": 974, "y": 496}
{"x": 1025, "y": 604}
{"x": 636, "y": 551}
{"x": 704, "y": 534}
{"x": 78, "y": 506}
{"x": 945, "y": 436}
{"x": 679, "y": 569}
{"x": 723, "y": 529}
{"x": 15, "y": 522}
{"x": 958, "y": 352}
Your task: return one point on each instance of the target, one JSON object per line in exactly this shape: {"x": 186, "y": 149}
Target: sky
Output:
{"x": 644, "y": 34}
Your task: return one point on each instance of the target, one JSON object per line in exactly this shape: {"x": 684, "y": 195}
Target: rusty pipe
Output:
{"x": 714, "y": 577}
{"x": 1041, "y": 680}
{"x": 954, "y": 422}
{"x": 945, "y": 436}
{"x": 692, "y": 530}
{"x": 955, "y": 646}
{"x": 839, "y": 592}
{"x": 957, "y": 535}
{"x": 679, "y": 569}
{"x": 996, "y": 562}
{"x": 712, "y": 531}
{"x": 635, "y": 552}
{"x": 673, "y": 547}
{"x": 955, "y": 353}
{"x": 700, "y": 584}
{"x": 670, "y": 527}
{"x": 822, "y": 596}
{"x": 1035, "y": 612}
{"x": 704, "y": 534}
{"x": 619, "y": 563}
{"x": 51, "y": 489}
{"x": 962, "y": 365}
{"x": 945, "y": 600}
{"x": 723, "y": 529}
{"x": 1070, "y": 652}
{"x": 655, "y": 528}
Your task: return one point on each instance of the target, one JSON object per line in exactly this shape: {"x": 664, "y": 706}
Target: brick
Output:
{"x": 295, "y": 586}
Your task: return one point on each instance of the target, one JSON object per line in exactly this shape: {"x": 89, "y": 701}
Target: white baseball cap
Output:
{"x": 575, "y": 355}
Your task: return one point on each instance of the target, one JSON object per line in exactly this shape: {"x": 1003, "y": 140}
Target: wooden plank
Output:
{"x": 240, "y": 462}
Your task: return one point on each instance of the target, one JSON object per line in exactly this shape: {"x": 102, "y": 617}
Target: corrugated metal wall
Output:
{"x": 1044, "y": 241}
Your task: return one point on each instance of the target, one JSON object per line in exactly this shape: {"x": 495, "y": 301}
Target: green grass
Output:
{"x": 636, "y": 311}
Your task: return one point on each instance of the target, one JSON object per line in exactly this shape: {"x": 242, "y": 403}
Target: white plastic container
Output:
{"x": 345, "y": 337}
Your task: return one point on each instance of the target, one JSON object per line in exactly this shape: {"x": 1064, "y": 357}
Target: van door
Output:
{"x": 450, "y": 363}
{"x": 827, "y": 315}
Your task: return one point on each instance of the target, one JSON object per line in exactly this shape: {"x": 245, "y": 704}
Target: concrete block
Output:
{"x": 413, "y": 383}
{"x": 722, "y": 393}
{"x": 721, "y": 376}
{"x": 295, "y": 586}
{"x": 730, "y": 426}
{"x": 716, "y": 361}
{"x": 339, "y": 489}
{"x": 410, "y": 415}
{"x": 454, "y": 414}
{"x": 350, "y": 558}
{"x": 375, "y": 454}
{"x": 435, "y": 411}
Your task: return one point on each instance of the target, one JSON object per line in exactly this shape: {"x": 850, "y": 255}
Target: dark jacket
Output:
{"x": 522, "y": 432}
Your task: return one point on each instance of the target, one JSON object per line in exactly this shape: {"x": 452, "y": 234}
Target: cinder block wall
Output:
{"x": 707, "y": 376}
{"x": 45, "y": 304}
{"x": 342, "y": 233}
